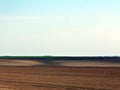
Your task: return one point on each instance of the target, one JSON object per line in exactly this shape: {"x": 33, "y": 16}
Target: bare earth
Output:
{"x": 59, "y": 78}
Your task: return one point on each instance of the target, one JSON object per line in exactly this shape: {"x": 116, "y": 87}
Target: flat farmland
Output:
{"x": 59, "y": 78}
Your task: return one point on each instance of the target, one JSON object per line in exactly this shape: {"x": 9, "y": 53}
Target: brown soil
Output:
{"x": 59, "y": 78}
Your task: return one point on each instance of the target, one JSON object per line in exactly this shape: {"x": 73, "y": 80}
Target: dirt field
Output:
{"x": 59, "y": 78}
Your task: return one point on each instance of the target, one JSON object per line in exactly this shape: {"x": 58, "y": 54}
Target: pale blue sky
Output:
{"x": 60, "y": 27}
{"x": 60, "y": 7}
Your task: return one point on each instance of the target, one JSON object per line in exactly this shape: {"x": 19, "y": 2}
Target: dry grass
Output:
{"x": 70, "y": 63}
{"x": 59, "y": 78}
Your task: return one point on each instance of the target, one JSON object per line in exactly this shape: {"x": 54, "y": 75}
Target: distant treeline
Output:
{"x": 101, "y": 58}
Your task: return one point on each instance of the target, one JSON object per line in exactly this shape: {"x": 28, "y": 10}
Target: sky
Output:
{"x": 60, "y": 27}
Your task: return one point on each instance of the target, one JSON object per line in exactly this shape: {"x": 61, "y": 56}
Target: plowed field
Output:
{"x": 59, "y": 78}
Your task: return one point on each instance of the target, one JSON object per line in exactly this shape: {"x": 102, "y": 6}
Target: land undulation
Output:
{"x": 59, "y": 73}
{"x": 59, "y": 78}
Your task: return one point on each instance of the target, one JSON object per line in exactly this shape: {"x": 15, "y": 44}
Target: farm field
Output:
{"x": 68, "y": 63}
{"x": 59, "y": 78}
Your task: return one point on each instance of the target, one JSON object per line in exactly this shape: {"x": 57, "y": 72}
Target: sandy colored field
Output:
{"x": 73, "y": 63}
{"x": 7, "y": 62}
{"x": 59, "y": 78}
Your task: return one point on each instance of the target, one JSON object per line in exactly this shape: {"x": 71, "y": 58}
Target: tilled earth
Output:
{"x": 59, "y": 78}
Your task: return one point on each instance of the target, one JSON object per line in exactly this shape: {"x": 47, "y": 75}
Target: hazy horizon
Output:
{"x": 60, "y": 27}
